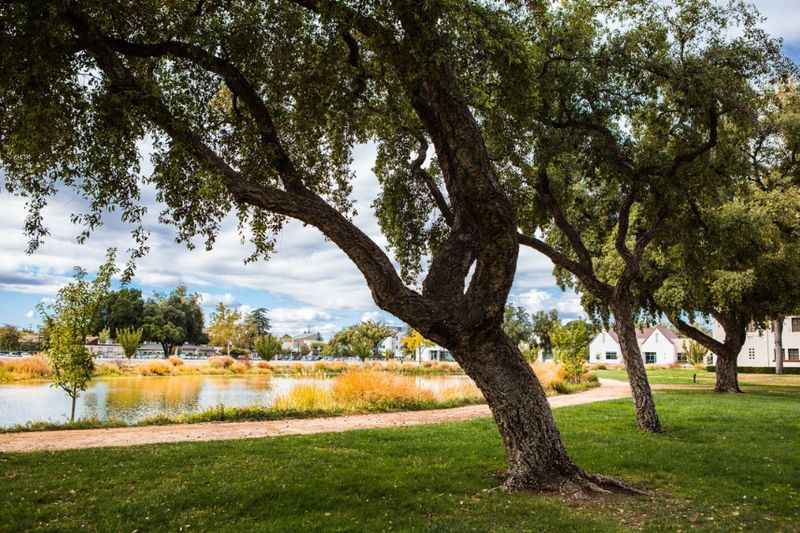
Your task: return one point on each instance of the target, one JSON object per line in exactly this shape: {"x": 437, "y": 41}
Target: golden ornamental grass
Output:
{"x": 35, "y": 367}
{"x": 155, "y": 368}
{"x": 365, "y": 387}
{"x": 550, "y": 374}
{"x": 306, "y": 398}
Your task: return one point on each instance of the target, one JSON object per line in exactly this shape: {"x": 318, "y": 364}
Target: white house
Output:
{"x": 423, "y": 353}
{"x": 759, "y": 346}
{"x": 394, "y": 343}
{"x": 433, "y": 353}
{"x": 659, "y": 346}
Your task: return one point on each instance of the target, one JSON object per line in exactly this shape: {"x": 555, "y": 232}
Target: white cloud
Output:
{"x": 535, "y": 300}
{"x": 30, "y": 314}
{"x": 570, "y": 304}
{"x": 374, "y": 316}
{"x": 210, "y": 299}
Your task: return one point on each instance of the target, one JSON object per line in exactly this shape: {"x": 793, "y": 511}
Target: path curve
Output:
{"x": 211, "y": 431}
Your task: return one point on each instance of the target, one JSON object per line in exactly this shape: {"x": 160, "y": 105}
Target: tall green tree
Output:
{"x": 120, "y": 309}
{"x": 544, "y": 324}
{"x": 620, "y": 141}
{"x": 9, "y": 338}
{"x": 70, "y": 317}
{"x": 255, "y": 107}
{"x": 174, "y": 319}
{"x": 517, "y": 324}
{"x": 740, "y": 267}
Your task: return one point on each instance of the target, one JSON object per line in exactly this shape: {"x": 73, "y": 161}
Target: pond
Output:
{"x": 131, "y": 399}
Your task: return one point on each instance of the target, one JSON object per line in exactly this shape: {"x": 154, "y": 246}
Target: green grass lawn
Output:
{"x": 725, "y": 463}
{"x": 684, "y": 376}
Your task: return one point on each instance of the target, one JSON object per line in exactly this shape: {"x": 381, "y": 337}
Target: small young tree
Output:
{"x": 70, "y": 318}
{"x": 695, "y": 352}
{"x": 103, "y": 336}
{"x": 571, "y": 347}
{"x": 130, "y": 339}
{"x": 412, "y": 343}
{"x": 267, "y": 347}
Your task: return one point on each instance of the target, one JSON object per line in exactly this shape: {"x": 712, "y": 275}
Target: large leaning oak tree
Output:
{"x": 253, "y": 107}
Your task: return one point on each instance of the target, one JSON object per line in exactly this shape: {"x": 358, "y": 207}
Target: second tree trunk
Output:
{"x": 624, "y": 326}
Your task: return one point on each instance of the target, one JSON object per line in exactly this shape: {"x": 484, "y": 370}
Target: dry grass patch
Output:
{"x": 35, "y": 367}
{"x": 155, "y": 368}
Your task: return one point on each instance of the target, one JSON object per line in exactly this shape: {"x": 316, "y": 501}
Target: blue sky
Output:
{"x": 308, "y": 283}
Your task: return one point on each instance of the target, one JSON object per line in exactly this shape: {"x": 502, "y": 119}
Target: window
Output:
{"x": 796, "y": 323}
{"x": 611, "y": 356}
{"x": 650, "y": 358}
{"x": 751, "y": 353}
{"x": 682, "y": 358}
{"x": 794, "y": 354}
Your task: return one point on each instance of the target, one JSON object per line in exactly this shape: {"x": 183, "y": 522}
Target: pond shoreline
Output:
{"x": 215, "y": 431}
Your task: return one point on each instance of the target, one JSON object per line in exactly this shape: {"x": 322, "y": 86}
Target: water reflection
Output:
{"x": 131, "y": 399}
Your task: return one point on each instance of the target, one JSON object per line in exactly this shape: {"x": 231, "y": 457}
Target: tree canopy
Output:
{"x": 174, "y": 319}
{"x": 575, "y": 122}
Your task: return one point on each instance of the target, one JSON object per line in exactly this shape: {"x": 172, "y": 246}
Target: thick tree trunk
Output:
{"x": 777, "y": 328}
{"x": 536, "y": 457}
{"x": 624, "y": 326}
{"x": 727, "y": 373}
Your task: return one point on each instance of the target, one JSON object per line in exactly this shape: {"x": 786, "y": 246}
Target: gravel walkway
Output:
{"x": 134, "y": 436}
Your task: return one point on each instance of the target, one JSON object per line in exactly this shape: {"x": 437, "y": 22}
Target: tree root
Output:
{"x": 577, "y": 486}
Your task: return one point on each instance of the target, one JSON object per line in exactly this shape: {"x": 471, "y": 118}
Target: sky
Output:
{"x": 308, "y": 283}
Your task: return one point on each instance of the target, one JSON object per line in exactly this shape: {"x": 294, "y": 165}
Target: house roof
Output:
{"x": 642, "y": 334}
{"x": 672, "y": 336}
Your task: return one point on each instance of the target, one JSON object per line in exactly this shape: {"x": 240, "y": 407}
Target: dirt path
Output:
{"x": 132, "y": 436}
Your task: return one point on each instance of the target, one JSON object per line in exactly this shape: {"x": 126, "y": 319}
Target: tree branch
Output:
{"x": 425, "y": 176}
{"x": 387, "y": 289}
{"x": 587, "y": 277}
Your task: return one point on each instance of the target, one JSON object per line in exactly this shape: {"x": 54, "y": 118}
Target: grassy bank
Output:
{"x": 690, "y": 376}
{"x": 725, "y": 463}
{"x": 357, "y": 391}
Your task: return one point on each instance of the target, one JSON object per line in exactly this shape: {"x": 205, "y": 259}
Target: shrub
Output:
{"x": 265, "y": 365}
{"x": 175, "y": 360}
{"x": 155, "y": 368}
{"x": 221, "y": 361}
{"x": 600, "y": 367}
{"x": 239, "y": 367}
{"x": 108, "y": 369}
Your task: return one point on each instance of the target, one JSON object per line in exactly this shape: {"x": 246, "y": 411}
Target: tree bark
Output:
{"x": 777, "y": 328}
{"x": 727, "y": 373}
{"x": 536, "y": 457}
{"x": 646, "y": 415}
{"x": 72, "y": 413}
{"x": 727, "y": 351}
